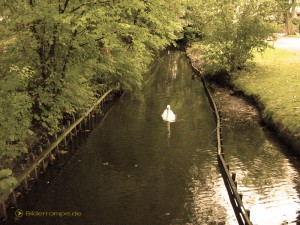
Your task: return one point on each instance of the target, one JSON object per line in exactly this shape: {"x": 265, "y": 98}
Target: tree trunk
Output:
{"x": 289, "y": 29}
{"x": 290, "y": 14}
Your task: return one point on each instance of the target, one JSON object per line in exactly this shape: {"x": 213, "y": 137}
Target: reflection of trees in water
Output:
{"x": 207, "y": 201}
{"x": 173, "y": 65}
{"x": 263, "y": 172}
{"x": 202, "y": 184}
{"x": 265, "y": 175}
{"x": 259, "y": 160}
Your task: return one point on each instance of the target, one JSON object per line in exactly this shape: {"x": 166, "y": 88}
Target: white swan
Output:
{"x": 168, "y": 115}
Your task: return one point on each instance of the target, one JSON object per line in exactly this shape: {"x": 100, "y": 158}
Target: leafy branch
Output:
{"x": 6, "y": 180}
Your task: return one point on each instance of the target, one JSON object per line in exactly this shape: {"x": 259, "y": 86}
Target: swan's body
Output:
{"x": 168, "y": 115}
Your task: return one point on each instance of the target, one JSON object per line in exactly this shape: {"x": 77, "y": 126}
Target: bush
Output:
{"x": 232, "y": 35}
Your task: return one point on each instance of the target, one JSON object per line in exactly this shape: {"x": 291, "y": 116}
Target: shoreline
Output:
{"x": 59, "y": 149}
{"x": 235, "y": 102}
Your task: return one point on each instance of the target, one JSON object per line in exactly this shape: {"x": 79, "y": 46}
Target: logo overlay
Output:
{"x": 20, "y": 213}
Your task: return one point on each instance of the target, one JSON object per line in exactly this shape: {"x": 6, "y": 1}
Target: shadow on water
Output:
{"x": 268, "y": 172}
{"x": 134, "y": 168}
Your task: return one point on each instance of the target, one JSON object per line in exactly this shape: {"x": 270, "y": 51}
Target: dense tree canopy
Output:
{"x": 57, "y": 55}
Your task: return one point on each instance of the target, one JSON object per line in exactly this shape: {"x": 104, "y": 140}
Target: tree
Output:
{"x": 195, "y": 18}
{"x": 232, "y": 32}
{"x": 59, "y": 55}
{"x": 288, "y": 10}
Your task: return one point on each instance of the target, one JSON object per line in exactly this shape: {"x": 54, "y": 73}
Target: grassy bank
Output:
{"x": 273, "y": 80}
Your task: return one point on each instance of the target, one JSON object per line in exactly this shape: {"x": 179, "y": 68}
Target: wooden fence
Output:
{"x": 40, "y": 163}
{"x": 242, "y": 214}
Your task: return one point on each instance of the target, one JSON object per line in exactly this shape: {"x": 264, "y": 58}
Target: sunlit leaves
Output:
{"x": 231, "y": 34}
{"x": 15, "y": 110}
{"x": 64, "y": 53}
{"x": 6, "y": 180}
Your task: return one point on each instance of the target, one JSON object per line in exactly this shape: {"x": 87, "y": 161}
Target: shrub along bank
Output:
{"x": 272, "y": 80}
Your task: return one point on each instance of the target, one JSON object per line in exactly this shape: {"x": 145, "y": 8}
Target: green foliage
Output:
{"x": 5, "y": 173}
{"x": 15, "y": 112}
{"x": 58, "y": 55}
{"x": 285, "y": 5}
{"x": 195, "y": 19}
{"x": 286, "y": 13}
{"x": 6, "y": 180}
{"x": 232, "y": 33}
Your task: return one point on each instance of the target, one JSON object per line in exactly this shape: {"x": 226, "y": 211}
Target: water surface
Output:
{"x": 135, "y": 168}
{"x": 268, "y": 173}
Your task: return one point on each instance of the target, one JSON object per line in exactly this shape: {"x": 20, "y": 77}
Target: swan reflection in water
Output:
{"x": 169, "y": 117}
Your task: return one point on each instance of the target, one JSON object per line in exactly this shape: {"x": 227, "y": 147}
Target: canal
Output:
{"x": 136, "y": 169}
{"x": 268, "y": 172}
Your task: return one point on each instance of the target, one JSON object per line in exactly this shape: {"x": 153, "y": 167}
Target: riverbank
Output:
{"x": 27, "y": 170}
{"x": 272, "y": 83}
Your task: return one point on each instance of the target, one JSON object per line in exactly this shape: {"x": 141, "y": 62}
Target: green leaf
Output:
{"x": 5, "y": 173}
{"x": 6, "y": 184}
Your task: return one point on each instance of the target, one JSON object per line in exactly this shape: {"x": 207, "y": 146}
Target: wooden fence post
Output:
{"x": 248, "y": 212}
{"x": 90, "y": 125}
{"x": 14, "y": 198}
{"x": 3, "y": 213}
{"x": 233, "y": 175}
{"x": 26, "y": 184}
{"x": 41, "y": 157}
{"x": 36, "y": 173}
{"x": 241, "y": 196}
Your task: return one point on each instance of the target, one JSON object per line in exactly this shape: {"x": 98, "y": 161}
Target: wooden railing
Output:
{"x": 242, "y": 214}
{"x": 42, "y": 161}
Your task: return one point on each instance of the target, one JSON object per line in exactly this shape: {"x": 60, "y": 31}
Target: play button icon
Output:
{"x": 19, "y": 213}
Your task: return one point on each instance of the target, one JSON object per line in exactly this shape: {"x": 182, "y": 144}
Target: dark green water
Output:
{"x": 268, "y": 173}
{"x": 136, "y": 169}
